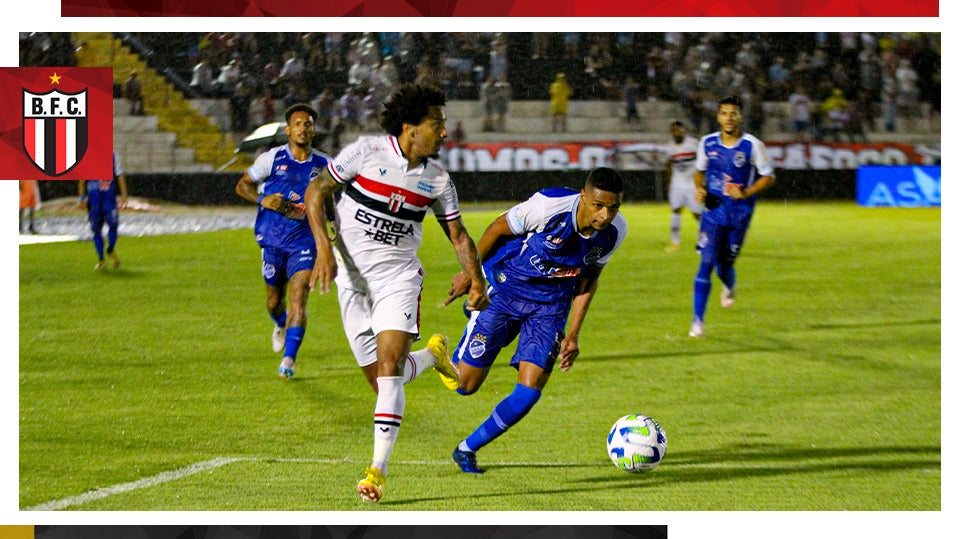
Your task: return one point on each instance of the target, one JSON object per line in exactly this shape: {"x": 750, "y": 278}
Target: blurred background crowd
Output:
{"x": 840, "y": 83}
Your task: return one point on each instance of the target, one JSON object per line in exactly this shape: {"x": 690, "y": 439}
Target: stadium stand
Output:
{"x": 209, "y": 90}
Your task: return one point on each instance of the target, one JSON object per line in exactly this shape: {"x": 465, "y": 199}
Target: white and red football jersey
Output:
{"x": 382, "y": 209}
{"x": 682, "y": 158}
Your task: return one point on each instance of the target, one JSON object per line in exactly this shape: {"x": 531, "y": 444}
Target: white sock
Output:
{"x": 675, "y": 228}
{"x": 464, "y": 447}
{"x": 386, "y": 420}
{"x": 416, "y": 363}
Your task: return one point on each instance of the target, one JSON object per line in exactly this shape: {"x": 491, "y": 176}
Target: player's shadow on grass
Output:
{"x": 121, "y": 273}
{"x": 732, "y": 463}
{"x": 745, "y": 461}
{"x": 859, "y": 325}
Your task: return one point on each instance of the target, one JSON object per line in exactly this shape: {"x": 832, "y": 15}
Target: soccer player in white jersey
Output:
{"x": 543, "y": 259}
{"x": 388, "y": 183}
{"x": 681, "y": 153}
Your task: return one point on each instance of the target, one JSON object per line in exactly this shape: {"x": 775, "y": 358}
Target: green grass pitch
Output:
{"x": 154, "y": 387}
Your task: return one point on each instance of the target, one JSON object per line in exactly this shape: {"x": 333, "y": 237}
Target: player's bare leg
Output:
{"x": 471, "y": 378}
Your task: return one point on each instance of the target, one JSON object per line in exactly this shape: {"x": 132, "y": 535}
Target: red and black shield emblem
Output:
{"x": 55, "y": 129}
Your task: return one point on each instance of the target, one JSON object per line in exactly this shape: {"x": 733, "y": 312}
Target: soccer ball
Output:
{"x": 636, "y": 443}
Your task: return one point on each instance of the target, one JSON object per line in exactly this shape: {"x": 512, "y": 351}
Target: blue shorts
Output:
{"x": 280, "y": 265}
{"x": 539, "y": 325}
{"x": 718, "y": 243}
{"x": 102, "y": 209}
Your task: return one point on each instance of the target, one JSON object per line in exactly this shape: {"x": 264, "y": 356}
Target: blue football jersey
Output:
{"x": 543, "y": 262}
{"x": 276, "y": 171}
{"x": 739, "y": 164}
{"x": 102, "y": 194}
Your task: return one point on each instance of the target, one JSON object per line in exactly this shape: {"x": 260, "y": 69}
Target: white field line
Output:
{"x": 180, "y": 473}
{"x": 106, "y": 492}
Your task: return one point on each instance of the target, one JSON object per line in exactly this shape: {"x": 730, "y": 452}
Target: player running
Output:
{"x": 100, "y": 199}
{"x": 681, "y": 153}
{"x": 276, "y": 182}
{"x": 543, "y": 259}
{"x": 388, "y": 183}
{"x": 732, "y": 169}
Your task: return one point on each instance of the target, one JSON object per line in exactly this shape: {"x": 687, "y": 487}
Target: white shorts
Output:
{"x": 681, "y": 197}
{"x": 364, "y": 315}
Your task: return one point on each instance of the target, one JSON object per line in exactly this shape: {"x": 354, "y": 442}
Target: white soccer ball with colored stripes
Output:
{"x": 636, "y": 443}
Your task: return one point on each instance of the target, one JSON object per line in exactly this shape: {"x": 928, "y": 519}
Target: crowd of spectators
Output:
{"x": 837, "y": 84}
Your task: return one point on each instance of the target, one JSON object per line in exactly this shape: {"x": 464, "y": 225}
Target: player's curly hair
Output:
{"x": 299, "y": 107}
{"x": 409, "y": 105}
{"x": 606, "y": 179}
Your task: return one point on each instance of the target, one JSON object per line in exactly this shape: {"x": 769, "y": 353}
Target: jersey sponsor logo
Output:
{"x": 554, "y": 271}
{"x": 424, "y": 186}
{"x": 383, "y": 230}
{"x": 478, "y": 345}
{"x": 739, "y": 159}
{"x": 553, "y": 242}
{"x": 396, "y": 202}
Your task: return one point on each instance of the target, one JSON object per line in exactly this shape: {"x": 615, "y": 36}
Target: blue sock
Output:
{"x": 111, "y": 238}
{"x": 701, "y": 291}
{"x": 98, "y": 244}
{"x": 281, "y": 320}
{"x": 294, "y": 338}
{"x": 727, "y": 274}
{"x": 507, "y": 413}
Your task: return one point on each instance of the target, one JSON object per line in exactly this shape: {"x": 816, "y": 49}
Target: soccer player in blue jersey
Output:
{"x": 277, "y": 182}
{"x": 543, "y": 260}
{"x": 732, "y": 169}
{"x": 100, "y": 199}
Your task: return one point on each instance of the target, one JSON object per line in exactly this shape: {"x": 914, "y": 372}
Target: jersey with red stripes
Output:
{"x": 382, "y": 209}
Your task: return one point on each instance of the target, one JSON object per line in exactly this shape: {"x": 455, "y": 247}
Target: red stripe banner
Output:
{"x": 499, "y": 8}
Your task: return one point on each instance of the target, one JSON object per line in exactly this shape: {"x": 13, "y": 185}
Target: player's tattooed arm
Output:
{"x": 469, "y": 260}
{"x": 318, "y": 200}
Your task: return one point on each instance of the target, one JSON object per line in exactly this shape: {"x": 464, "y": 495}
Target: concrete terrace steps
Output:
{"x": 166, "y": 109}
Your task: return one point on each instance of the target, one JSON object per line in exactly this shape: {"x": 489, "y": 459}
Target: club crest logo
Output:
{"x": 739, "y": 159}
{"x": 396, "y": 202}
{"x": 55, "y": 129}
{"x": 478, "y": 345}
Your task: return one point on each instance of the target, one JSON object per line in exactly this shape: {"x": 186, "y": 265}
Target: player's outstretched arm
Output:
{"x": 470, "y": 262}
{"x": 700, "y": 181}
{"x": 82, "y": 192}
{"x": 586, "y": 289}
{"x": 122, "y": 183}
{"x": 316, "y": 201}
